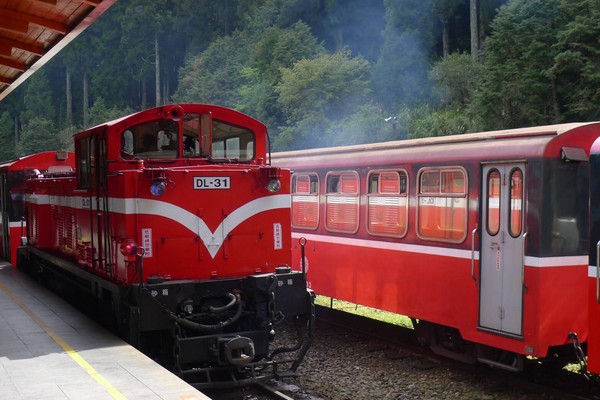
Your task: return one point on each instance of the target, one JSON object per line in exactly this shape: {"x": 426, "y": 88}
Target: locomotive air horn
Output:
{"x": 174, "y": 113}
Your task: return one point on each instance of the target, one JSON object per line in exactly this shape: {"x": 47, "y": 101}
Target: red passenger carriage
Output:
{"x": 13, "y": 175}
{"x": 175, "y": 224}
{"x": 481, "y": 238}
{"x": 594, "y": 262}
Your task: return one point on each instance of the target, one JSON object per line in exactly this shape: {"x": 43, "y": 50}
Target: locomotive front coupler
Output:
{"x": 188, "y": 323}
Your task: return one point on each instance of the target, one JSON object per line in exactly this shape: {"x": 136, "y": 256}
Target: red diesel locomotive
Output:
{"x": 175, "y": 224}
{"x": 482, "y": 239}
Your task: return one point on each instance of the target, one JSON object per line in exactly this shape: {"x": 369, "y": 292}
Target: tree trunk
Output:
{"x": 86, "y": 101}
{"x": 226, "y": 17}
{"x": 481, "y": 28}
{"x": 555, "y": 105}
{"x": 144, "y": 94}
{"x": 474, "y": 22}
{"x": 16, "y": 133}
{"x": 157, "y": 54}
{"x": 445, "y": 39}
{"x": 69, "y": 99}
{"x": 166, "y": 90}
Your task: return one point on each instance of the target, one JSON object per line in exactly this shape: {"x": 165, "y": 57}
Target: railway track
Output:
{"x": 256, "y": 391}
{"x": 353, "y": 355}
{"x": 271, "y": 392}
{"x": 537, "y": 381}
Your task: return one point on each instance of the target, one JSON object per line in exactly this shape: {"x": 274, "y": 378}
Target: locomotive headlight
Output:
{"x": 274, "y": 185}
{"x": 129, "y": 248}
{"x": 158, "y": 187}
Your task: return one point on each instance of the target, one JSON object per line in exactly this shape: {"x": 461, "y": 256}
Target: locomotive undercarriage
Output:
{"x": 221, "y": 330}
{"x": 214, "y": 333}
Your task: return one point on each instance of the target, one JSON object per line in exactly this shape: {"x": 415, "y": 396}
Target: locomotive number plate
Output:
{"x": 212, "y": 182}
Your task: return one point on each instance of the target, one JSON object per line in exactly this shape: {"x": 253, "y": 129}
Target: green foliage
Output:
{"x": 38, "y": 98}
{"x": 38, "y": 134}
{"x": 446, "y": 9}
{"x": 281, "y": 48}
{"x": 140, "y": 22}
{"x": 199, "y": 22}
{"x": 577, "y": 63}
{"x": 322, "y": 73}
{"x": 109, "y": 77}
{"x": 367, "y": 124}
{"x": 7, "y": 137}
{"x": 327, "y": 84}
{"x": 373, "y": 313}
{"x": 100, "y": 113}
{"x": 276, "y": 49}
{"x": 425, "y": 122}
{"x": 456, "y": 78}
{"x": 216, "y": 75}
{"x": 355, "y": 23}
{"x": 314, "y": 92}
{"x": 402, "y": 80}
{"x": 400, "y": 74}
{"x": 518, "y": 85}
{"x": 304, "y": 134}
{"x": 260, "y": 15}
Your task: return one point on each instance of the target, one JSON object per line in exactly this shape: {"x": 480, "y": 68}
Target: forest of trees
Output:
{"x": 321, "y": 72}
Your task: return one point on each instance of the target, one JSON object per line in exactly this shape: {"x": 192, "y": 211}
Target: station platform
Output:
{"x": 49, "y": 350}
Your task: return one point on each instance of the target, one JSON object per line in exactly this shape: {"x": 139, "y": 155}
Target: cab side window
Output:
{"x": 85, "y": 162}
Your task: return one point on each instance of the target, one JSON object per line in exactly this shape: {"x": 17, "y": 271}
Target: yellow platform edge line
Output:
{"x": 114, "y": 392}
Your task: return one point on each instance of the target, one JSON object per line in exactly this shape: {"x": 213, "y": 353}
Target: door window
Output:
{"x": 516, "y": 202}
{"x": 493, "y": 202}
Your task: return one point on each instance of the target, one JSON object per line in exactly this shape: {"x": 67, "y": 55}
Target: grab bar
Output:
{"x": 523, "y": 258}
{"x": 598, "y": 272}
{"x": 473, "y": 254}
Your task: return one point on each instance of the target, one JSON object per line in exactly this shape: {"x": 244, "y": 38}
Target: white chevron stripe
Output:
{"x": 136, "y": 206}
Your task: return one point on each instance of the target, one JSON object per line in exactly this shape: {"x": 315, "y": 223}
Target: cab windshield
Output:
{"x": 201, "y": 137}
{"x": 156, "y": 139}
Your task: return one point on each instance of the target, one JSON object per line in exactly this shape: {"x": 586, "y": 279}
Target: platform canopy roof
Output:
{"x": 34, "y": 31}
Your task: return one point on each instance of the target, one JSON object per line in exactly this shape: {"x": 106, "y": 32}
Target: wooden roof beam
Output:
{"x": 30, "y": 48}
{"x": 19, "y": 66}
{"x": 11, "y": 16}
{"x": 93, "y": 3}
{"x": 5, "y": 50}
{"x": 19, "y": 26}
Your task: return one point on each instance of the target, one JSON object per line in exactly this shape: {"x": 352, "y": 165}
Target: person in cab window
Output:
{"x": 127, "y": 143}
{"x": 166, "y": 137}
{"x": 190, "y": 146}
{"x": 167, "y": 140}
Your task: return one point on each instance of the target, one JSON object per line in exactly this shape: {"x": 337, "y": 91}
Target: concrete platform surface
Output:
{"x": 50, "y": 350}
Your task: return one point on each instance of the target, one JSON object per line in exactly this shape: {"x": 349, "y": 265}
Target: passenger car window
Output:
{"x": 342, "y": 201}
{"x": 305, "y": 201}
{"x": 387, "y": 205}
{"x": 442, "y": 206}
